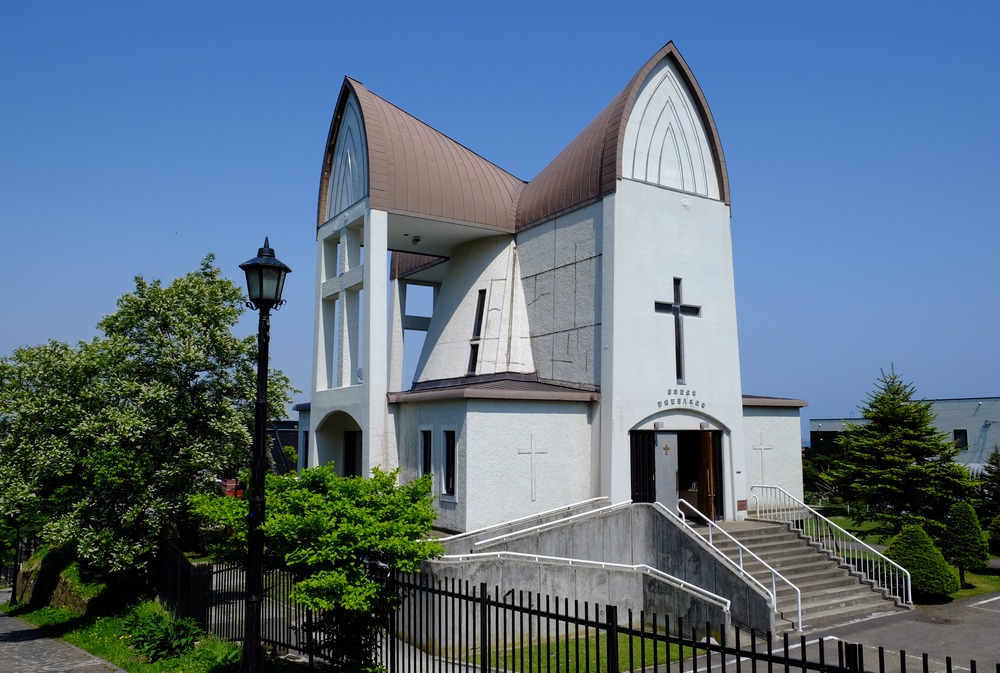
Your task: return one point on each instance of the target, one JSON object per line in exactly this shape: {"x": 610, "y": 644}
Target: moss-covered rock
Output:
{"x": 52, "y": 578}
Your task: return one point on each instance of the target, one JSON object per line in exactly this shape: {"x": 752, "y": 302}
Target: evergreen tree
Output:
{"x": 964, "y": 546}
{"x": 897, "y": 468}
{"x": 930, "y": 575}
{"x": 990, "y": 486}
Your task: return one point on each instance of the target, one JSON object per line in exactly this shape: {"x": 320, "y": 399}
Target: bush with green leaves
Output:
{"x": 993, "y": 530}
{"x": 156, "y": 635}
{"x": 930, "y": 575}
{"x": 340, "y": 538}
{"x": 964, "y": 545}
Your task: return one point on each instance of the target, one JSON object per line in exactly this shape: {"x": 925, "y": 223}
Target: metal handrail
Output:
{"x": 780, "y": 506}
{"x": 740, "y": 547}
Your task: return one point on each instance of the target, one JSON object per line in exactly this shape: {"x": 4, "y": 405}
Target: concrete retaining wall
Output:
{"x": 637, "y": 534}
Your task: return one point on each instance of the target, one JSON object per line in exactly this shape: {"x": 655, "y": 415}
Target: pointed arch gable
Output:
{"x": 344, "y": 179}
{"x": 666, "y": 90}
{"x": 589, "y": 167}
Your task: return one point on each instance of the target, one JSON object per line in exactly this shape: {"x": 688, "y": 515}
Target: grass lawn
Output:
{"x": 584, "y": 654}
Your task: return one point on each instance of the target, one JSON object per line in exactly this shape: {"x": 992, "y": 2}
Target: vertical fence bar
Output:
{"x": 611, "y": 619}
{"x": 484, "y": 629}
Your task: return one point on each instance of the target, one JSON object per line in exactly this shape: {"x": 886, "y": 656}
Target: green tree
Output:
{"x": 103, "y": 443}
{"x": 897, "y": 468}
{"x": 930, "y": 575}
{"x": 964, "y": 545}
{"x": 990, "y": 486}
{"x": 339, "y": 537}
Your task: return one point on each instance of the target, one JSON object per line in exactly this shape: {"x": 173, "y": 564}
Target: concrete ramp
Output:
{"x": 635, "y": 556}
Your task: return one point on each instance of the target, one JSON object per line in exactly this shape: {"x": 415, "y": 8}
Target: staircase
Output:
{"x": 830, "y": 593}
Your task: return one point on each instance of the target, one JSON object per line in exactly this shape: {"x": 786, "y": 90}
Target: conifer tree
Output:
{"x": 930, "y": 575}
{"x": 964, "y": 546}
{"x": 897, "y": 468}
{"x": 990, "y": 486}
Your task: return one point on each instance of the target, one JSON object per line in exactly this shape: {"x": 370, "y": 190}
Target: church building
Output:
{"x": 575, "y": 335}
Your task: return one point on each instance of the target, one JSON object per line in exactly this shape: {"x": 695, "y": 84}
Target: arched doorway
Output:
{"x": 338, "y": 441}
{"x": 673, "y": 465}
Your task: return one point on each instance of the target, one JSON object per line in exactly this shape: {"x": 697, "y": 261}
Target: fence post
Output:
{"x": 484, "y": 629}
{"x": 852, "y": 657}
{"x": 611, "y": 618}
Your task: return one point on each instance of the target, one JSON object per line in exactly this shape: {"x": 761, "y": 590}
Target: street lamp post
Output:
{"x": 265, "y": 281}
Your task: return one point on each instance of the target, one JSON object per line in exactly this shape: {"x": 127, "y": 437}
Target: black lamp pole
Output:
{"x": 265, "y": 281}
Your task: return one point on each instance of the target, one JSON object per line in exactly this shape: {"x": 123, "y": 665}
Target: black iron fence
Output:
{"x": 456, "y": 626}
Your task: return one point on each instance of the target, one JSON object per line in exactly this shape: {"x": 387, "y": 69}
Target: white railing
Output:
{"x": 743, "y": 551}
{"x": 773, "y": 503}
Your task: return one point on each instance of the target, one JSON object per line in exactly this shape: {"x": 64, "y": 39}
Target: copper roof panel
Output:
{"x": 414, "y": 169}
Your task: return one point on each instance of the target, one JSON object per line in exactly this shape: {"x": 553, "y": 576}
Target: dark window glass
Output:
{"x": 961, "y": 438}
{"x": 477, "y": 329}
{"x": 449, "y": 462}
{"x": 425, "y": 449}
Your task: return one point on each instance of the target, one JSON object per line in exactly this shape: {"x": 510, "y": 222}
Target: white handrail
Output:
{"x": 779, "y": 506}
{"x": 775, "y": 575}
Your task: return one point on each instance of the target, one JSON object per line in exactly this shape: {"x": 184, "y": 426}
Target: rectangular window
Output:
{"x": 477, "y": 329}
{"x": 425, "y": 451}
{"x": 449, "y": 462}
{"x": 961, "y": 438}
{"x": 477, "y": 332}
{"x": 473, "y": 358}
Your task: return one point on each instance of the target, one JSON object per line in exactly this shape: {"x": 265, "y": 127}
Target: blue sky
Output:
{"x": 861, "y": 140}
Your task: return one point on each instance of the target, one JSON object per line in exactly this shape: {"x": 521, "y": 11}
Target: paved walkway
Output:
{"x": 25, "y": 649}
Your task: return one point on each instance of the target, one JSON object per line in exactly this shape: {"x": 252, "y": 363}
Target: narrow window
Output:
{"x": 425, "y": 450}
{"x": 961, "y": 438}
{"x": 449, "y": 462}
{"x": 477, "y": 332}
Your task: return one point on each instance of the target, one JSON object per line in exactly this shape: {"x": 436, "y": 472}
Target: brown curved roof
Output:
{"x": 590, "y": 166}
{"x": 414, "y": 169}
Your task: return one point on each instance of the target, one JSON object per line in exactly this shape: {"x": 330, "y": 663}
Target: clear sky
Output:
{"x": 861, "y": 139}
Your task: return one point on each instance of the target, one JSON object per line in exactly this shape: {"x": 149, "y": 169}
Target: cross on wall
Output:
{"x": 679, "y": 310}
{"x": 532, "y": 451}
{"x": 762, "y": 447}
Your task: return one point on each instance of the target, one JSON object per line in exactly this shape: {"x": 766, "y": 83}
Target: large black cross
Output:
{"x": 679, "y": 310}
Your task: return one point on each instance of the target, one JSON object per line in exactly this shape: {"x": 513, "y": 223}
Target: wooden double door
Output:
{"x": 670, "y": 466}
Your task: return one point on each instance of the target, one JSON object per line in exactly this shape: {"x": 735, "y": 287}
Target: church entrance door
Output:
{"x": 684, "y": 465}
{"x": 699, "y": 471}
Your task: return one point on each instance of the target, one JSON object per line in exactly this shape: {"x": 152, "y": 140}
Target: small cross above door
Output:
{"x": 679, "y": 310}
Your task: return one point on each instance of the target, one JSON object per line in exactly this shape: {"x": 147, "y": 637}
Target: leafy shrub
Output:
{"x": 156, "y": 635}
{"x": 930, "y": 575}
{"x": 994, "y": 530}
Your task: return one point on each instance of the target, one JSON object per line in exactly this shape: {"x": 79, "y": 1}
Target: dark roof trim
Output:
{"x": 758, "y": 401}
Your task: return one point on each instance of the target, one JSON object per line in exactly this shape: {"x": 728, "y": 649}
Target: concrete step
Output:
{"x": 830, "y": 592}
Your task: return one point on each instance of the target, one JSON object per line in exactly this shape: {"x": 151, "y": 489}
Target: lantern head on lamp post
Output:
{"x": 265, "y": 278}
{"x": 265, "y": 281}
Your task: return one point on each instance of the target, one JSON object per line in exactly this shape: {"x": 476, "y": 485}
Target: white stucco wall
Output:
{"x": 773, "y": 448}
{"x": 409, "y": 421}
{"x": 488, "y": 264}
{"x": 652, "y": 236}
{"x": 506, "y": 440}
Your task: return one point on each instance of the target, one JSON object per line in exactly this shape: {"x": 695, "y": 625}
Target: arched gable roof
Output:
{"x": 590, "y": 166}
{"x": 414, "y": 169}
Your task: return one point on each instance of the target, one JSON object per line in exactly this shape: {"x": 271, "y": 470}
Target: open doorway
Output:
{"x": 670, "y": 466}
